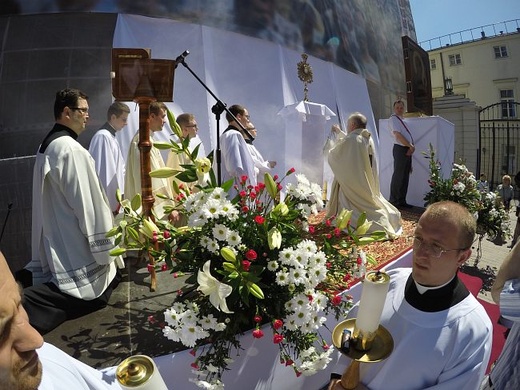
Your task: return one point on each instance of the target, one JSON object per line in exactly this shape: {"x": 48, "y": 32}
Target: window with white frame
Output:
{"x": 455, "y": 59}
{"x": 500, "y": 51}
{"x": 433, "y": 64}
{"x": 507, "y": 98}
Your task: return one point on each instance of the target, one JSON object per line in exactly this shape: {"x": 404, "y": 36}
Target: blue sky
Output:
{"x": 434, "y": 18}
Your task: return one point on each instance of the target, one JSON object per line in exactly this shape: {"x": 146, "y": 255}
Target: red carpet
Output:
{"x": 474, "y": 284}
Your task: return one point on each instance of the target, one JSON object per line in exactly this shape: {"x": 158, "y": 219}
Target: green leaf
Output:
{"x": 132, "y": 233}
{"x": 162, "y": 145}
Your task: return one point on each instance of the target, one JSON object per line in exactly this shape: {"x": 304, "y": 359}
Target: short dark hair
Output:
{"x": 117, "y": 109}
{"x": 184, "y": 119}
{"x": 235, "y": 109}
{"x": 67, "y": 97}
{"x": 155, "y": 107}
{"x": 398, "y": 101}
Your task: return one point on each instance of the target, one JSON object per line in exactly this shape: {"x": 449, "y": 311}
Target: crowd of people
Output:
{"x": 442, "y": 335}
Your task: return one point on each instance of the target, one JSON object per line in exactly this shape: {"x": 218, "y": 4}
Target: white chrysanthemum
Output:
{"x": 233, "y": 238}
{"x": 205, "y": 241}
{"x": 212, "y": 208}
{"x": 297, "y": 276}
{"x": 299, "y": 318}
{"x": 197, "y": 219}
{"x": 220, "y": 232}
{"x": 213, "y": 247}
{"x": 286, "y": 256}
{"x": 460, "y": 187}
{"x": 189, "y": 334}
{"x": 272, "y": 265}
{"x": 192, "y": 202}
{"x": 218, "y": 193}
{"x": 171, "y": 334}
{"x": 209, "y": 322}
{"x": 230, "y": 211}
{"x": 282, "y": 278}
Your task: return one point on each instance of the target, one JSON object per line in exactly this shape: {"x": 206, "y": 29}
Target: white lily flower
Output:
{"x": 210, "y": 286}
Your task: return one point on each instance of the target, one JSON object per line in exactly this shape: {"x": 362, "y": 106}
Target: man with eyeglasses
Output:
{"x": 106, "y": 151}
{"x": 442, "y": 334}
{"x": 72, "y": 269}
{"x": 189, "y": 128}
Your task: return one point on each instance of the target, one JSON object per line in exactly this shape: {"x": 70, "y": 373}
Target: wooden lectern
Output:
{"x": 137, "y": 77}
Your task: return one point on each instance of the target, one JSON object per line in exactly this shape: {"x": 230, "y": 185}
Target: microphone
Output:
{"x": 180, "y": 59}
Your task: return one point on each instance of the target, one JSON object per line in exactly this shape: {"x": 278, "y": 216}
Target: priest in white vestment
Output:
{"x": 106, "y": 151}
{"x": 162, "y": 186}
{"x": 355, "y": 187}
{"x": 72, "y": 268}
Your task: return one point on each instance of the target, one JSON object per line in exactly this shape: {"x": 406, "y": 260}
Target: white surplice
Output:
{"x": 109, "y": 162}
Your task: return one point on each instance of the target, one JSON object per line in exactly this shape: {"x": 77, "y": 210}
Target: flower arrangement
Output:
{"x": 461, "y": 187}
{"x": 253, "y": 262}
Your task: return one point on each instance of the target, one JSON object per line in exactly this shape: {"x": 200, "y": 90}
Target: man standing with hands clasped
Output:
{"x": 402, "y": 152}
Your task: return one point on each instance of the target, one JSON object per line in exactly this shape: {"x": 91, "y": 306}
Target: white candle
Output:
{"x": 373, "y": 295}
{"x": 139, "y": 372}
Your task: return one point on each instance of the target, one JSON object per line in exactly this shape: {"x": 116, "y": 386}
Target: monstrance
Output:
{"x": 305, "y": 75}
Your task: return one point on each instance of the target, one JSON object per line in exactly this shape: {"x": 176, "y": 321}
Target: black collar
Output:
{"x": 435, "y": 300}
{"x": 108, "y": 126}
{"x": 56, "y": 132}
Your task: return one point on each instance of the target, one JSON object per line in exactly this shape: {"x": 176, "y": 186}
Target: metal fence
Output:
{"x": 499, "y": 140}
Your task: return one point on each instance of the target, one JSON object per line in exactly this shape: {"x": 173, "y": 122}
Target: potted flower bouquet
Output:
{"x": 253, "y": 262}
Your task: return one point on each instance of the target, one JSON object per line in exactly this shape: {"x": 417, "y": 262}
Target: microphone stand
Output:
{"x": 217, "y": 109}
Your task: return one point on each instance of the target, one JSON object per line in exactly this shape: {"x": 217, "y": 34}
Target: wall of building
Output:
{"x": 480, "y": 76}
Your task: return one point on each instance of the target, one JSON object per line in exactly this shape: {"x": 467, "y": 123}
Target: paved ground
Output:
{"x": 131, "y": 323}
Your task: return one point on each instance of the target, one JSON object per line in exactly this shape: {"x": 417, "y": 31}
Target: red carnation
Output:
{"x": 336, "y": 300}
{"x": 292, "y": 170}
{"x": 277, "y": 324}
{"x": 251, "y": 255}
{"x": 259, "y": 219}
{"x": 258, "y": 334}
{"x": 311, "y": 229}
{"x": 278, "y": 338}
{"x": 246, "y": 264}
{"x": 166, "y": 234}
{"x": 257, "y": 318}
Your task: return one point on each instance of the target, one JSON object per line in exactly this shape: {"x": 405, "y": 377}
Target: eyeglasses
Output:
{"x": 433, "y": 249}
{"x": 82, "y": 109}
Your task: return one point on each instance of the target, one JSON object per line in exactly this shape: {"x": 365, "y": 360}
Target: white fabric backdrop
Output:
{"x": 260, "y": 75}
{"x": 425, "y": 130}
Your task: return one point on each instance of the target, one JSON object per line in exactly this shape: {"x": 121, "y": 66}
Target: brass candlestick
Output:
{"x": 362, "y": 347}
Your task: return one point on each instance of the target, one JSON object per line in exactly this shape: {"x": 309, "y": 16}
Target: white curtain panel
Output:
{"x": 260, "y": 75}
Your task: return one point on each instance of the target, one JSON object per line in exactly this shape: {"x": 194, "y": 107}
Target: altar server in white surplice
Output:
{"x": 105, "y": 149}
{"x": 236, "y": 157}
{"x": 73, "y": 271}
{"x": 355, "y": 187}
{"x": 441, "y": 334}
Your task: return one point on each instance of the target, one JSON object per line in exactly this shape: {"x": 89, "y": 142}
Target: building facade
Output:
{"x": 483, "y": 65}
